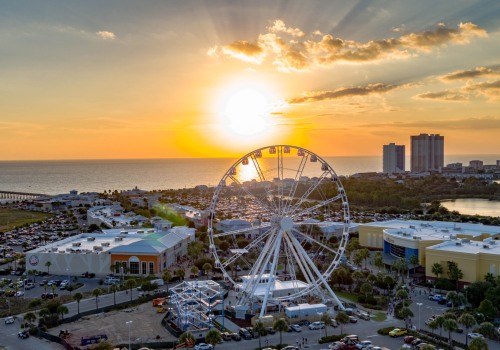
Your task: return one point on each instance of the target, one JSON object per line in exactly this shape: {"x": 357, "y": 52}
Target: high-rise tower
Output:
{"x": 427, "y": 152}
{"x": 393, "y": 158}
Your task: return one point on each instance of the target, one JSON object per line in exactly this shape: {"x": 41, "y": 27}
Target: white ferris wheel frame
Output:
{"x": 278, "y": 231}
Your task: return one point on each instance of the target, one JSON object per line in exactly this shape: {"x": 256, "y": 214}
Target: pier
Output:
{"x": 20, "y": 196}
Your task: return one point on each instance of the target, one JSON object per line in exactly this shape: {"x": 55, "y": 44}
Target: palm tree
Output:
{"x": 378, "y": 260}
{"x": 468, "y": 321}
{"x": 281, "y": 326}
{"x": 450, "y": 325}
{"x": 327, "y": 321}
{"x": 433, "y": 325}
{"x": 478, "y": 344}
{"x": 406, "y": 314}
{"x": 43, "y": 313}
{"x": 97, "y": 292}
{"x": 114, "y": 288}
{"x": 130, "y": 284}
{"x": 342, "y": 318}
{"x": 213, "y": 337}
{"x": 62, "y": 309}
{"x": 207, "y": 267}
{"x": 30, "y": 317}
{"x": 440, "y": 320}
{"x": 414, "y": 261}
{"x": 78, "y": 297}
{"x": 437, "y": 269}
{"x": 188, "y": 339}
{"x": 48, "y": 264}
{"x": 259, "y": 329}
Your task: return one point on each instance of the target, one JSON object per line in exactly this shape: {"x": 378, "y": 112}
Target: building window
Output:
{"x": 144, "y": 268}
{"x": 398, "y": 251}
{"x": 124, "y": 266}
{"x": 151, "y": 268}
{"x": 134, "y": 268}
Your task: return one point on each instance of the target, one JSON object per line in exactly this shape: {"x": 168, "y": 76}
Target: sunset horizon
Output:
{"x": 120, "y": 80}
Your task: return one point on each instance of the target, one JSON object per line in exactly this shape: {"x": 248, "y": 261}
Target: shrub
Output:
{"x": 331, "y": 338}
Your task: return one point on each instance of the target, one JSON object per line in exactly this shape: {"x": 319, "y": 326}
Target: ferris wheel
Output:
{"x": 278, "y": 226}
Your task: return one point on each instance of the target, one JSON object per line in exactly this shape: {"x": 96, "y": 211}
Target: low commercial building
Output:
{"x": 405, "y": 238}
{"x": 135, "y": 252}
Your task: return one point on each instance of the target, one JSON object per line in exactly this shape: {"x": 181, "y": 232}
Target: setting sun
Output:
{"x": 246, "y": 111}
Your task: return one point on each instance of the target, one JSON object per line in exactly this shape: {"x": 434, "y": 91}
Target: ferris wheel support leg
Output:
{"x": 271, "y": 273}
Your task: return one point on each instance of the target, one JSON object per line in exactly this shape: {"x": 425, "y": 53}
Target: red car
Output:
{"x": 408, "y": 339}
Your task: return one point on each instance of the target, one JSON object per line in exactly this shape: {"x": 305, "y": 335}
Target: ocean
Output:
{"x": 61, "y": 176}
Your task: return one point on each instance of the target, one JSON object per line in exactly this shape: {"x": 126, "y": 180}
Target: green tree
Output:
{"x": 414, "y": 261}
{"x": 487, "y": 308}
{"x": 364, "y": 254}
{"x": 207, "y": 267}
{"x": 433, "y": 325}
{"x": 440, "y": 320}
{"x": 406, "y": 314}
{"x": 342, "y": 318}
{"x": 437, "y": 269}
{"x": 195, "y": 271}
{"x": 194, "y": 249}
{"x": 468, "y": 321}
{"x": 188, "y": 339}
{"x": 213, "y": 337}
{"x": 366, "y": 289}
{"x": 113, "y": 289}
{"x": 450, "y": 325}
{"x": 454, "y": 273}
{"x": 78, "y": 297}
{"x": 259, "y": 329}
{"x": 487, "y": 329}
{"x": 378, "y": 260}
{"x": 48, "y": 264}
{"x": 478, "y": 344}
{"x": 130, "y": 284}
{"x": 62, "y": 310}
{"x": 327, "y": 320}
{"x": 34, "y": 303}
{"x": 180, "y": 273}
{"x": 280, "y": 326}
{"x": 30, "y": 317}
{"x": 96, "y": 293}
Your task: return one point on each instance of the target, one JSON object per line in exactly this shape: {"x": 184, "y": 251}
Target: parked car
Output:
{"x": 363, "y": 344}
{"x": 296, "y": 328}
{"x": 317, "y": 325}
{"x": 353, "y": 319}
{"x": 203, "y": 346}
{"x": 244, "y": 333}
{"x": 270, "y": 330}
{"x": 23, "y": 334}
{"x": 336, "y": 345}
{"x": 408, "y": 339}
{"x": 9, "y": 320}
{"x": 334, "y": 323}
{"x": 235, "y": 336}
{"x": 363, "y": 315}
{"x": 474, "y": 335}
{"x": 29, "y": 286}
{"x": 396, "y": 332}
{"x": 226, "y": 336}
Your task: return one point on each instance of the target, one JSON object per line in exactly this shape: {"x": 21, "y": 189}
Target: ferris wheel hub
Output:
{"x": 286, "y": 224}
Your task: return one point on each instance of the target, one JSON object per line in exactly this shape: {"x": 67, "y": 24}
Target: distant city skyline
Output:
{"x": 200, "y": 79}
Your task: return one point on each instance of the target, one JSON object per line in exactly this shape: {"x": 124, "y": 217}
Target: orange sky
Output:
{"x": 217, "y": 79}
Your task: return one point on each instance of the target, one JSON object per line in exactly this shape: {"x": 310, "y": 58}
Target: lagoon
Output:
{"x": 473, "y": 206}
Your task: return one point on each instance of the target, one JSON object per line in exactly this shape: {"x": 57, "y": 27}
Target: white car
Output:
{"x": 9, "y": 320}
{"x": 317, "y": 325}
{"x": 203, "y": 346}
{"x": 474, "y": 335}
{"x": 336, "y": 345}
{"x": 363, "y": 344}
{"x": 19, "y": 293}
{"x": 296, "y": 328}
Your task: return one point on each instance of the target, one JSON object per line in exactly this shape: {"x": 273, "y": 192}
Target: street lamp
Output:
{"x": 320, "y": 314}
{"x": 419, "y": 306}
{"x": 128, "y": 323}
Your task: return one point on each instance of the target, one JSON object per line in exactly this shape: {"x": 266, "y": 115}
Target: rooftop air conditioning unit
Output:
{"x": 445, "y": 230}
{"x": 90, "y": 239}
{"x": 118, "y": 238}
{"x": 417, "y": 237}
{"x": 486, "y": 246}
{"x": 458, "y": 243}
{"x": 105, "y": 244}
{"x": 492, "y": 242}
{"x": 412, "y": 226}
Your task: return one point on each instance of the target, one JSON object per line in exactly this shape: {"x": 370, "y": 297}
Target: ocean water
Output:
{"x": 61, "y": 176}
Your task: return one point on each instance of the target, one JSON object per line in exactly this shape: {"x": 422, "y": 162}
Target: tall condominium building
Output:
{"x": 427, "y": 152}
{"x": 394, "y": 158}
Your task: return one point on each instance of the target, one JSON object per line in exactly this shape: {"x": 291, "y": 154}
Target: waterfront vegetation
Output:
{"x": 10, "y": 217}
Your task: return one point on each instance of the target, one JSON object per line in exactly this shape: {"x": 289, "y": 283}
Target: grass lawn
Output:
{"x": 348, "y": 296}
{"x": 379, "y": 316}
{"x": 9, "y": 218}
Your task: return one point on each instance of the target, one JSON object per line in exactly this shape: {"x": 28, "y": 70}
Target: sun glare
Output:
{"x": 246, "y": 110}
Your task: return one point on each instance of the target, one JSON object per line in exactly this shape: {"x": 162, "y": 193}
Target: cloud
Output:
{"x": 245, "y": 51}
{"x": 488, "y": 89}
{"x": 315, "y": 96}
{"x": 471, "y": 73}
{"x": 105, "y": 35}
{"x": 479, "y": 123}
{"x": 446, "y": 95}
{"x": 291, "y": 50}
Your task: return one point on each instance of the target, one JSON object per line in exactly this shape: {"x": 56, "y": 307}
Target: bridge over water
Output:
{"x": 20, "y": 196}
